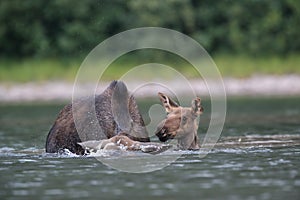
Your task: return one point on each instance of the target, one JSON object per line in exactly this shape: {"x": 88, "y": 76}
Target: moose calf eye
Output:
{"x": 184, "y": 119}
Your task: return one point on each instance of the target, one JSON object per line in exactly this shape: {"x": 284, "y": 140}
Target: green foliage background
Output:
{"x": 48, "y": 39}
{"x": 65, "y": 28}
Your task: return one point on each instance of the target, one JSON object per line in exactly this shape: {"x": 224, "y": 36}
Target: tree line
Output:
{"x": 68, "y": 28}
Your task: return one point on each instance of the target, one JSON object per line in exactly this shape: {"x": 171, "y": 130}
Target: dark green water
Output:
{"x": 225, "y": 173}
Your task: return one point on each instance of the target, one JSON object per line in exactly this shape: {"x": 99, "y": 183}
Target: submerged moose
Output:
{"x": 122, "y": 125}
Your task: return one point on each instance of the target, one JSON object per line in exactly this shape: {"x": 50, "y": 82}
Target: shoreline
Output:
{"x": 255, "y": 86}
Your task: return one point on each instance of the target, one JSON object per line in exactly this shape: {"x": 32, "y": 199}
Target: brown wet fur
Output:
{"x": 180, "y": 123}
{"x": 64, "y": 135}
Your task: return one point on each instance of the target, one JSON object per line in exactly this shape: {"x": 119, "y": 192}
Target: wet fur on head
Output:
{"x": 180, "y": 123}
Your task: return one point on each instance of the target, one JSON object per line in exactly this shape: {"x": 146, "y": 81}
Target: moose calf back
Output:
{"x": 64, "y": 135}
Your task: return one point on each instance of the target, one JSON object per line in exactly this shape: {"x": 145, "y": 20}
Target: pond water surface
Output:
{"x": 255, "y": 172}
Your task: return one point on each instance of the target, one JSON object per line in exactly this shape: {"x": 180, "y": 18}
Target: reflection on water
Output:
{"x": 228, "y": 172}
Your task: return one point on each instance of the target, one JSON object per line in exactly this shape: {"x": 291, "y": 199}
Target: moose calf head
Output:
{"x": 180, "y": 123}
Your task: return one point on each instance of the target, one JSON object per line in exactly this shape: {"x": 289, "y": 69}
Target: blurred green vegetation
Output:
{"x": 41, "y": 40}
{"x": 26, "y": 70}
{"x": 239, "y": 66}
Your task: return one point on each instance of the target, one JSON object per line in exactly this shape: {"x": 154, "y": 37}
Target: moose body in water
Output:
{"x": 122, "y": 125}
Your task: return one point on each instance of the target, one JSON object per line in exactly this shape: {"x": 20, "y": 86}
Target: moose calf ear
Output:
{"x": 168, "y": 103}
{"x": 196, "y": 106}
